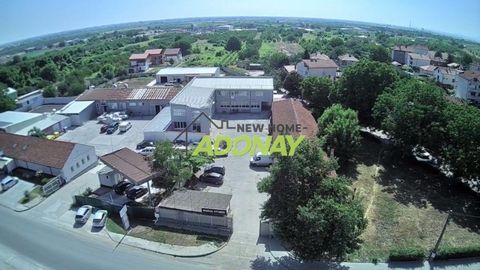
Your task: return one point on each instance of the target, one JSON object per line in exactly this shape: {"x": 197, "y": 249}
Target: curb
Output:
{"x": 16, "y": 209}
{"x": 167, "y": 253}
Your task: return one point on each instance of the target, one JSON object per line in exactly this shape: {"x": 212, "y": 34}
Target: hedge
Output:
{"x": 406, "y": 254}
{"x": 449, "y": 252}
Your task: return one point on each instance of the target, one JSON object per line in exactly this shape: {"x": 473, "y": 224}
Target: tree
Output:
{"x": 412, "y": 113}
{"x": 36, "y": 132}
{"x": 340, "y": 129}
{"x": 336, "y": 42}
{"x": 233, "y": 44}
{"x": 184, "y": 46}
{"x": 438, "y": 54}
{"x": 360, "y": 85}
{"x": 379, "y": 53}
{"x": 6, "y": 102}
{"x": 315, "y": 214}
{"x": 50, "y": 91}
{"x": 450, "y": 58}
{"x": 107, "y": 71}
{"x": 317, "y": 91}
{"x": 466, "y": 59}
{"x": 49, "y": 72}
{"x": 275, "y": 60}
{"x": 292, "y": 83}
{"x": 306, "y": 54}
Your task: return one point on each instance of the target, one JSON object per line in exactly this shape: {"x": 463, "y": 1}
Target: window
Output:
{"x": 28, "y": 101}
{"x": 78, "y": 165}
{"x": 83, "y": 161}
{"x": 178, "y": 112}
{"x": 179, "y": 124}
{"x": 88, "y": 157}
{"x": 71, "y": 168}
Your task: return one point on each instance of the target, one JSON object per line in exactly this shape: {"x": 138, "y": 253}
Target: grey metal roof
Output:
{"x": 46, "y": 122}
{"x": 160, "y": 122}
{"x": 188, "y": 70}
{"x": 75, "y": 107}
{"x": 12, "y": 117}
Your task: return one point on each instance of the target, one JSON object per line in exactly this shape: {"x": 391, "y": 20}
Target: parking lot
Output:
{"x": 89, "y": 133}
{"x": 12, "y": 196}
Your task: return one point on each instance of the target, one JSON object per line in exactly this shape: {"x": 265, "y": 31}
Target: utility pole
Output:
{"x": 434, "y": 251}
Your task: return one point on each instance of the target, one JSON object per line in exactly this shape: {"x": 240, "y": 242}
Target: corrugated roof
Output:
{"x": 11, "y": 117}
{"x": 188, "y": 70}
{"x": 46, "y": 122}
{"x": 75, "y": 107}
{"x": 148, "y": 93}
{"x": 160, "y": 122}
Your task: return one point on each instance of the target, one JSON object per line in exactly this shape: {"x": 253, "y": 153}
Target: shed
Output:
{"x": 79, "y": 111}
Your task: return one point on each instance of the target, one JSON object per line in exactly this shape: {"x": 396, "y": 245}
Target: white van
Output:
{"x": 8, "y": 182}
{"x": 261, "y": 160}
{"x": 124, "y": 126}
{"x": 147, "y": 151}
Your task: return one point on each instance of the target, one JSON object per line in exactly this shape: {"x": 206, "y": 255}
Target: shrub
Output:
{"x": 407, "y": 254}
{"x": 45, "y": 180}
{"x": 87, "y": 191}
{"x": 449, "y": 252}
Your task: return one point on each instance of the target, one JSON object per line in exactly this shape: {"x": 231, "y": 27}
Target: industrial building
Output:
{"x": 179, "y": 74}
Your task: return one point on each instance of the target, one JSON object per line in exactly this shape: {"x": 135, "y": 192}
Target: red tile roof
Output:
{"x": 171, "y": 51}
{"x": 36, "y": 150}
{"x": 148, "y": 93}
{"x": 138, "y": 56}
{"x": 470, "y": 75}
{"x": 291, "y": 112}
{"x": 154, "y": 51}
{"x": 320, "y": 63}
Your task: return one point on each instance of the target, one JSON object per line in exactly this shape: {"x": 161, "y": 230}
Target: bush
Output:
{"x": 407, "y": 254}
{"x": 45, "y": 180}
{"x": 449, "y": 252}
{"x": 87, "y": 191}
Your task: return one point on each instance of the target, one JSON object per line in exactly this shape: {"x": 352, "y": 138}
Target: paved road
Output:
{"x": 30, "y": 244}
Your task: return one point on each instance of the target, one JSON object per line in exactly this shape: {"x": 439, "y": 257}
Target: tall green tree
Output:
{"x": 233, "y": 44}
{"x": 340, "y": 129}
{"x": 49, "y": 72}
{"x": 6, "y": 102}
{"x": 36, "y": 132}
{"x": 292, "y": 83}
{"x": 360, "y": 85}
{"x": 379, "y": 53}
{"x": 317, "y": 91}
{"x": 184, "y": 45}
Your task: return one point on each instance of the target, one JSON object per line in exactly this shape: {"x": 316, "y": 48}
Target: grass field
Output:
{"x": 210, "y": 55}
{"x": 406, "y": 205}
{"x": 287, "y": 48}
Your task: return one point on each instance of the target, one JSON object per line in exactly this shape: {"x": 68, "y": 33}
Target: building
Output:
{"x": 192, "y": 210}
{"x": 290, "y": 112}
{"x": 125, "y": 164}
{"x": 319, "y": 56}
{"x": 139, "y": 62}
{"x": 22, "y": 122}
{"x": 417, "y": 60}
{"x": 467, "y": 86}
{"x": 445, "y": 76}
{"x": 346, "y": 60}
{"x": 30, "y": 101}
{"x": 78, "y": 111}
{"x": 58, "y": 158}
{"x": 11, "y": 93}
{"x": 427, "y": 70}
{"x": 289, "y": 68}
{"x": 155, "y": 56}
{"x": 317, "y": 68}
{"x": 172, "y": 54}
{"x": 135, "y": 101}
{"x": 400, "y": 53}
{"x": 438, "y": 61}
{"x": 179, "y": 74}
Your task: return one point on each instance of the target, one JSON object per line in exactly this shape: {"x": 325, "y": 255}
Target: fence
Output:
{"x": 132, "y": 211}
{"x": 52, "y": 185}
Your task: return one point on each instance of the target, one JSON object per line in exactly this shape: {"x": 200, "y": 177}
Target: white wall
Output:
{"x": 82, "y": 157}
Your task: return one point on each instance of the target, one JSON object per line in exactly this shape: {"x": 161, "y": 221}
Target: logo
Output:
{"x": 245, "y": 144}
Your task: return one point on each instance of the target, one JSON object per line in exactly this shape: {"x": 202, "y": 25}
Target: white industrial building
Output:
{"x": 22, "y": 122}
{"x": 79, "y": 111}
{"x": 180, "y": 74}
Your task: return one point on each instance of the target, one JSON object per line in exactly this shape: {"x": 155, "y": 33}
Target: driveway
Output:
{"x": 89, "y": 133}
{"x": 11, "y": 197}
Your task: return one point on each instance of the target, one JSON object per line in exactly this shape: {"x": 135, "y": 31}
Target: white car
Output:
{"x": 99, "y": 218}
{"x": 261, "y": 160}
{"x": 83, "y": 213}
{"x": 8, "y": 182}
{"x": 147, "y": 151}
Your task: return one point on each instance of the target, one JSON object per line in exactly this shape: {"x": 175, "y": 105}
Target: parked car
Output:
{"x": 220, "y": 169}
{"x": 136, "y": 192}
{"x": 112, "y": 128}
{"x": 261, "y": 160}
{"x": 103, "y": 128}
{"x": 124, "y": 126}
{"x": 123, "y": 186}
{"x": 122, "y": 115}
{"x": 83, "y": 213}
{"x": 212, "y": 178}
{"x": 147, "y": 151}
{"x": 8, "y": 182}
{"x": 144, "y": 144}
{"x": 423, "y": 157}
{"x": 99, "y": 218}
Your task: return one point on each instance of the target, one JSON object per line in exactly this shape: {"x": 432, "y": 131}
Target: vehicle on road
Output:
{"x": 83, "y": 213}
{"x": 124, "y": 126}
{"x": 220, "y": 169}
{"x": 99, "y": 218}
{"x": 147, "y": 151}
{"x": 112, "y": 128}
{"x": 212, "y": 178}
{"x": 8, "y": 182}
{"x": 261, "y": 160}
{"x": 136, "y": 192}
{"x": 122, "y": 187}
{"x": 144, "y": 144}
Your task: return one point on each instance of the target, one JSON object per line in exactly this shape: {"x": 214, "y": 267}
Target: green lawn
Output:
{"x": 210, "y": 55}
{"x": 115, "y": 226}
{"x": 406, "y": 206}
{"x": 266, "y": 49}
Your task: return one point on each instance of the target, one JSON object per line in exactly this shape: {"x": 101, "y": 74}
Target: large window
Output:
{"x": 179, "y": 124}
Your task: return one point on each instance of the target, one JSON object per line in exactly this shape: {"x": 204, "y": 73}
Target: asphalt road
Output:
{"x": 32, "y": 244}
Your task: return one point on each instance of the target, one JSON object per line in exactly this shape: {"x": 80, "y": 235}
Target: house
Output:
{"x": 125, "y": 164}
{"x": 22, "y": 122}
{"x": 438, "y": 61}
{"x": 319, "y": 56}
{"x": 139, "y": 62}
{"x": 30, "y": 101}
{"x": 346, "y": 60}
{"x": 135, "y": 101}
{"x": 445, "y": 76}
{"x": 155, "y": 56}
{"x": 290, "y": 112}
{"x": 289, "y": 68}
{"x": 317, "y": 68}
{"x": 180, "y": 74}
{"x": 172, "y": 55}
{"x": 78, "y": 111}
{"x": 58, "y": 158}
{"x": 427, "y": 70}
{"x": 467, "y": 86}
{"x": 400, "y": 53}
{"x": 417, "y": 60}
{"x": 192, "y": 210}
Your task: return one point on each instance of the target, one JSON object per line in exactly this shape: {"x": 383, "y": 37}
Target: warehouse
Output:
{"x": 22, "y": 122}
{"x": 179, "y": 74}
{"x": 78, "y": 111}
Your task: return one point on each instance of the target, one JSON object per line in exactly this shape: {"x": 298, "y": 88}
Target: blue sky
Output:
{"x": 22, "y": 18}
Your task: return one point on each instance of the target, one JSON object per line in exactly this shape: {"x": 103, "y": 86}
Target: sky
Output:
{"x": 29, "y": 18}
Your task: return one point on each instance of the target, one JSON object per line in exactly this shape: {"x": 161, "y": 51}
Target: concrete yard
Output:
{"x": 12, "y": 196}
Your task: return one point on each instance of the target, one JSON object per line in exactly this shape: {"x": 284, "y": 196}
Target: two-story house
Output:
{"x": 172, "y": 54}
{"x": 317, "y": 68}
{"x": 467, "y": 86}
{"x": 139, "y": 62}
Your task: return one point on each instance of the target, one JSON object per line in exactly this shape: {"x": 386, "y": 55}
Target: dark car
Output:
{"x": 103, "y": 129}
{"x": 123, "y": 186}
{"x": 144, "y": 144}
{"x": 136, "y": 192}
{"x": 212, "y": 178}
{"x": 220, "y": 169}
{"x": 112, "y": 128}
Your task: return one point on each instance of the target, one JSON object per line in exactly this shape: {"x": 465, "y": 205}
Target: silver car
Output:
{"x": 83, "y": 213}
{"x": 99, "y": 218}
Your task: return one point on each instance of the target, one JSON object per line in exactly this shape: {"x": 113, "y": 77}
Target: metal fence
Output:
{"x": 53, "y": 185}
{"x": 132, "y": 211}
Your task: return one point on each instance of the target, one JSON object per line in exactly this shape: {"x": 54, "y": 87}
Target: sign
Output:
{"x": 124, "y": 217}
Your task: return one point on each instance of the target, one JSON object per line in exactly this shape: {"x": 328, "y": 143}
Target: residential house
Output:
{"x": 427, "y": 70}
{"x": 155, "y": 56}
{"x": 172, "y": 54}
{"x": 185, "y": 74}
{"x": 417, "y": 60}
{"x": 139, "y": 62}
{"x": 317, "y": 68}
{"x": 399, "y": 53}
{"x": 30, "y": 101}
{"x": 58, "y": 158}
{"x": 445, "y": 76}
{"x": 438, "y": 61}
{"x": 346, "y": 60}
{"x": 291, "y": 112}
{"x": 467, "y": 86}
{"x": 319, "y": 56}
